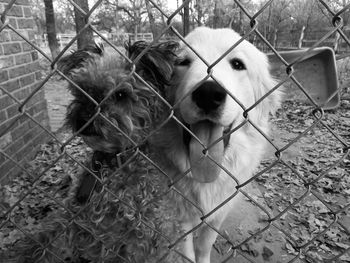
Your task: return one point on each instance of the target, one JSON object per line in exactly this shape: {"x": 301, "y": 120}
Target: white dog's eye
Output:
{"x": 183, "y": 62}
{"x": 237, "y": 64}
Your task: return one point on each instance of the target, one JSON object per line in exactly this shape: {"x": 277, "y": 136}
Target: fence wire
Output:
{"x": 71, "y": 220}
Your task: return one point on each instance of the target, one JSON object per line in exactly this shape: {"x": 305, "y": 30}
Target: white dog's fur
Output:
{"x": 243, "y": 152}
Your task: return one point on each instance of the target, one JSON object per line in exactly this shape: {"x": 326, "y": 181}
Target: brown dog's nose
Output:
{"x": 209, "y": 96}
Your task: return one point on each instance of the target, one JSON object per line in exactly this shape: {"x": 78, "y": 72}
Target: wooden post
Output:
{"x": 300, "y": 43}
{"x": 275, "y": 32}
{"x": 336, "y": 42}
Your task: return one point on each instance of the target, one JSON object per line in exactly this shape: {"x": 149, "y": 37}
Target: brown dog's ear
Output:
{"x": 77, "y": 58}
{"x": 156, "y": 65}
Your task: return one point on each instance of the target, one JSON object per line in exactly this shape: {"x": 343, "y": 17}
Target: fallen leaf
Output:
{"x": 342, "y": 245}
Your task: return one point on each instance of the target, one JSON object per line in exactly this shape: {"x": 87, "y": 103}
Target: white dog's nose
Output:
{"x": 209, "y": 96}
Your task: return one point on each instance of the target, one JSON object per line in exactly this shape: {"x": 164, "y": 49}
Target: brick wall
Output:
{"x": 19, "y": 75}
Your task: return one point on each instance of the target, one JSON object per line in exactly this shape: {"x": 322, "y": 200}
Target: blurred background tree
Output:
{"x": 51, "y": 28}
{"x": 282, "y": 22}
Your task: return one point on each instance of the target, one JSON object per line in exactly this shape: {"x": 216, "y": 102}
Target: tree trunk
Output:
{"x": 240, "y": 21}
{"x": 218, "y": 13}
{"x": 215, "y": 18}
{"x": 301, "y": 38}
{"x": 186, "y": 19}
{"x": 51, "y": 28}
{"x": 269, "y": 19}
{"x": 275, "y": 38}
{"x": 152, "y": 21}
{"x": 86, "y": 37}
{"x": 199, "y": 12}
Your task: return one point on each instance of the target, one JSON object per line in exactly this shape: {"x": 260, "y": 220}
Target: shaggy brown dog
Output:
{"x": 116, "y": 106}
{"x": 112, "y": 109}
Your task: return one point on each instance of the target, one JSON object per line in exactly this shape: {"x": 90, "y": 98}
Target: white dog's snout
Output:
{"x": 209, "y": 96}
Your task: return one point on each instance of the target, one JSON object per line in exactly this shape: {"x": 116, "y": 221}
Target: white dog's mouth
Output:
{"x": 212, "y": 135}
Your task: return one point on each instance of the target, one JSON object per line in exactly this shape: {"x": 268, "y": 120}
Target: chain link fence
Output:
{"x": 89, "y": 229}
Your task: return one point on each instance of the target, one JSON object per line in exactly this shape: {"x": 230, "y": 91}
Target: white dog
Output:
{"x": 210, "y": 106}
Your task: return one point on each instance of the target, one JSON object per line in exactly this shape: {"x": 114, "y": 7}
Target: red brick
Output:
{"x": 11, "y": 48}
{"x": 13, "y": 22}
{"x": 15, "y": 37}
{"x": 5, "y": 102}
{"x": 19, "y": 131}
{"x": 4, "y": 76}
{"x": 34, "y": 87}
{"x": 25, "y": 23}
{"x": 36, "y": 98}
{"x": 27, "y": 11}
{"x": 2, "y": 158}
{"x": 15, "y": 11}
{"x": 41, "y": 138}
{"x": 42, "y": 118}
{"x": 5, "y": 36}
{"x": 26, "y": 47}
{"x": 40, "y": 106}
{"x": 17, "y": 71}
{"x": 12, "y": 111}
{"x": 5, "y": 125}
{"x": 5, "y": 140}
{"x": 26, "y": 152}
{"x": 11, "y": 85}
{"x": 22, "y": 2}
{"x": 14, "y": 147}
{"x": 35, "y": 55}
{"x": 6, "y": 62}
{"x": 38, "y": 76}
{"x": 23, "y": 58}
{"x": 31, "y": 134}
{"x": 27, "y": 80}
{"x": 31, "y": 35}
{"x": 23, "y": 119}
{"x": 32, "y": 67}
{"x": 3, "y": 117}
{"x": 22, "y": 93}
{"x": 4, "y": 170}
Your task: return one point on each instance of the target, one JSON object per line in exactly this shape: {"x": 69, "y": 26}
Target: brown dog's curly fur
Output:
{"x": 120, "y": 224}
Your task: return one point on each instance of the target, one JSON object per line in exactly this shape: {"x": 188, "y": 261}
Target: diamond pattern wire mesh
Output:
{"x": 308, "y": 187}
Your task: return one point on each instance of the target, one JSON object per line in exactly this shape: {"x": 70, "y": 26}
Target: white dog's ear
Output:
{"x": 264, "y": 82}
{"x": 274, "y": 98}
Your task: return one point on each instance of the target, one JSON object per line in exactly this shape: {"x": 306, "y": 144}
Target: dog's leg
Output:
{"x": 89, "y": 183}
{"x": 187, "y": 246}
{"x": 205, "y": 241}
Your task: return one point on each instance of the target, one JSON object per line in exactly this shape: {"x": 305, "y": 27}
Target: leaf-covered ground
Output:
{"x": 308, "y": 192}
{"x": 32, "y": 196}
{"x": 315, "y": 182}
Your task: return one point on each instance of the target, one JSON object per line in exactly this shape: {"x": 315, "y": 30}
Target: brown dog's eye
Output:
{"x": 237, "y": 64}
{"x": 183, "y": 62}
{"x": 120, "y": 95}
